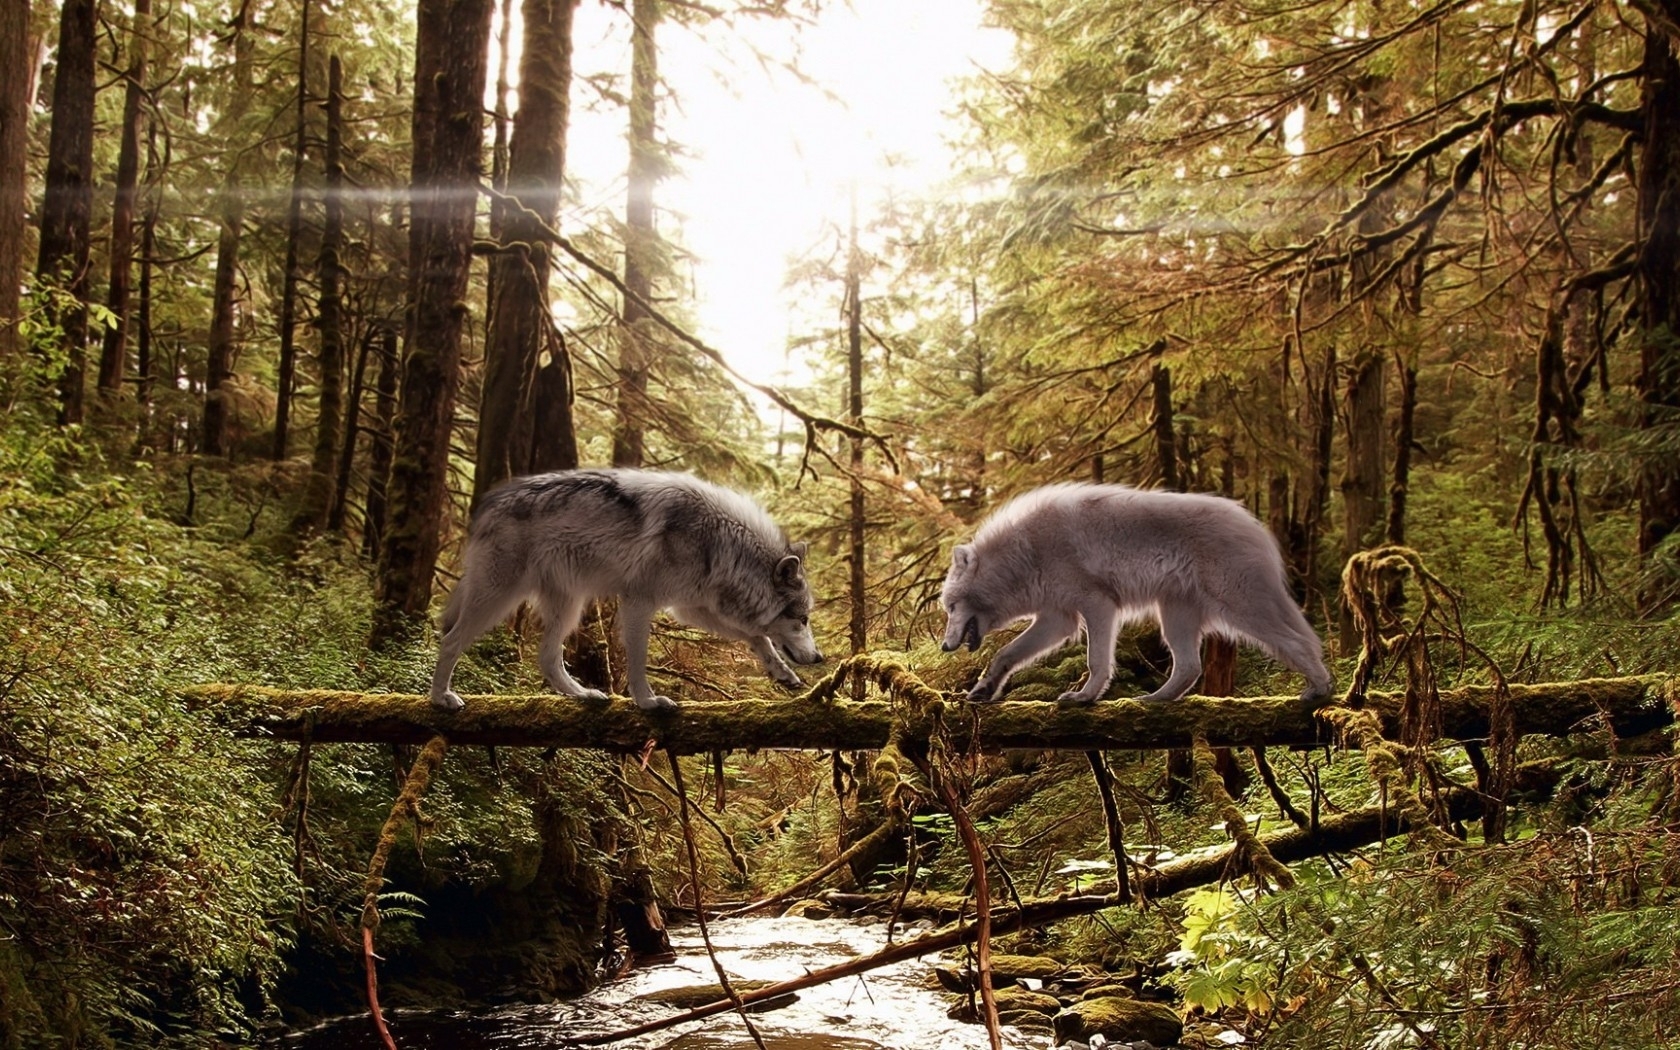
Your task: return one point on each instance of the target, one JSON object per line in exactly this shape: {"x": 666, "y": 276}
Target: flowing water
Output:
{"x": 892, "y": 1008}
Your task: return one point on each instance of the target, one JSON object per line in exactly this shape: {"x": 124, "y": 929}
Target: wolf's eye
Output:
{"x": 804, "y": 621}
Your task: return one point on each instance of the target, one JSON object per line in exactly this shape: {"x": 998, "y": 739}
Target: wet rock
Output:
{"x": 689, "y": 996}
{"x": 1108, "y": 991}
{"x": 1006, "y": 970}
{"x": 1119, "y": 1020}
{"x": 1031, "y": 1020}
{"x": 808, "y": 909}
{"x": 1014, "y": 967}
{"x": 1014, "y": 999}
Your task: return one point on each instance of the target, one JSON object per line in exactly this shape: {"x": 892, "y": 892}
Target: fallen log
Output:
{"x": 1631, "y": 705}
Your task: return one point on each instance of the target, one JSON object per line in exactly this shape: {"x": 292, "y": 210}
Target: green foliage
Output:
{"x": 1217, "y": 957}
{"x": 149, "y": 883}
{"x": 141, "y": 872}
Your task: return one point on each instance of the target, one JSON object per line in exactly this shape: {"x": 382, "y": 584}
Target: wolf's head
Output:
{"x": 969, "y": 616}
{"x": 789, "y": 627}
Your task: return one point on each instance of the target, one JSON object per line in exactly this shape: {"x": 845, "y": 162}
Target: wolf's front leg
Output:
{"x": 1048, "y": 630}
{"x": 635, "y": 621}
{"x": 772, "y": 661}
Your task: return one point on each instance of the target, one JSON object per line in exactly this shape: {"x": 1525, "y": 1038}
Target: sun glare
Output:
{"x": 768, "y": 157}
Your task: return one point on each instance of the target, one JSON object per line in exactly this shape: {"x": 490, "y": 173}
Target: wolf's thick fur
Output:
{"x": 655, "y": 541}
{"x": 1107, "y": 554}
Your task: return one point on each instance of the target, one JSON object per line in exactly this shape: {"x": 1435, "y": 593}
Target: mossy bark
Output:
{"x": 1632, "y": 706}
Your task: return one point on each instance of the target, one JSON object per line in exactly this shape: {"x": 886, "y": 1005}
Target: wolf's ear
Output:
{"x": 790, "y": 570}
{"x": 962, "y": 557}
{"x": 797, "y": 549}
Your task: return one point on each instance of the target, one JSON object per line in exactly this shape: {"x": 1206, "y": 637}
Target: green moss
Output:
{"x": 691, "y": 996}
{"x": 1015, "y": 967}
{"x": 1018, "y": 998}
{"x": 1120, "y": 1019}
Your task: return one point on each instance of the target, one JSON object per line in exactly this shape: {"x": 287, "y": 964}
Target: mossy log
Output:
{"x": 1632, "y": 705}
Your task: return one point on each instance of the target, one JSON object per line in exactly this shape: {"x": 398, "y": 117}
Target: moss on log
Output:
{"x": 1632, "y": 705}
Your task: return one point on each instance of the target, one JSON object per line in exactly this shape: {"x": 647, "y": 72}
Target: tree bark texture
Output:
{"x": 67, "y": 208}
{"x": 1362, "y": 477}
{"x": 1658, "y": 274}
{"x": 1632, "y": 705}
{"x": 451, "y": 56}
{"x": 521, "y": 398}
{"x": 1166, "y": 443}
{"x": 15, "y": 83}
{"x": 287, "y": 378}
{"x": 384, "y": 442}
{"x": 353, "y": 399}
{"x": 113, "y": 357}
{"x": 329, "y": 313}
{"x": 857, "y": 586}
{"x": 218, "y": 410}
{"x": 641, "y": 249}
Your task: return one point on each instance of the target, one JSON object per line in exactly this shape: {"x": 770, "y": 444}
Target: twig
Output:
{"x": 735, "y": 857}
{"x": 699, "y": 903}
{"x": 874, "y": 838}
{"x": 1249, "y": 846}
{"x": 982, "y": 900}
{"x": 407, "y": 805}
{"x": 1111, "y": 815}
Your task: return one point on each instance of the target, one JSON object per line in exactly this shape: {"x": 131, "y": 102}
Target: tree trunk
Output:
{"x": 1658, "y": 276}
{"x": 317, "y": 495}
{"x": 1166, "y": 444}
{"x": 857, "y": 589}
{"x": 379, "y": 459}
{"x": 1403, "y": 442}
{"x": 14, "y": 163}
{"x": 113, "y": 357}
{"x": 515, "y": 405}
{"x": 219, "y": 360}
{"x": 500, "y": 117}
{"x": 215, "y": 438}
{"x": 451, "y": 55}
{"x": 337, "y": 516}
{"x": 640, "y": 238}
{"x": 286, "y": 378}
{"x": 1181, "y": 763}
{"x": 67, "y": 208}
{"x": 1322, "y": 419}
{"x": 1362, "y": 479}
{"x": 144, "y": 362}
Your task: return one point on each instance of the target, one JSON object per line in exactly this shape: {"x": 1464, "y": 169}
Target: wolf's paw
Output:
{"x": 449, "y": 701}
{"x": 984, "y": 692}
{"x": 593, "y": 695}
{"x": 1077, "y": 696}
{"x": 656, "y": 702}
{"x": 786, "y": 677}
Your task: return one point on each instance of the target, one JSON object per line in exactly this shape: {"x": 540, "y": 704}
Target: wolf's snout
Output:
{"x": 970, "y": 636}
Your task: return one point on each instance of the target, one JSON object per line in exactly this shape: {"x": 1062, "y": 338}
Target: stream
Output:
{"x": 892, "y": 1008}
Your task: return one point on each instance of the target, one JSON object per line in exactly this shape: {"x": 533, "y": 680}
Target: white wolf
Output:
{"x": 1105, "y": 554}
{"x": 655, "y": 541}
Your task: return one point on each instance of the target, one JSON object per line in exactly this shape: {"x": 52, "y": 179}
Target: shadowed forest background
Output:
{"x": 285, "y": 287}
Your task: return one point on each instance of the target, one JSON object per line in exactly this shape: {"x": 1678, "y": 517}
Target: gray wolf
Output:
{"x": 1102, "y": 555}
{"x": 654, "y": 540}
